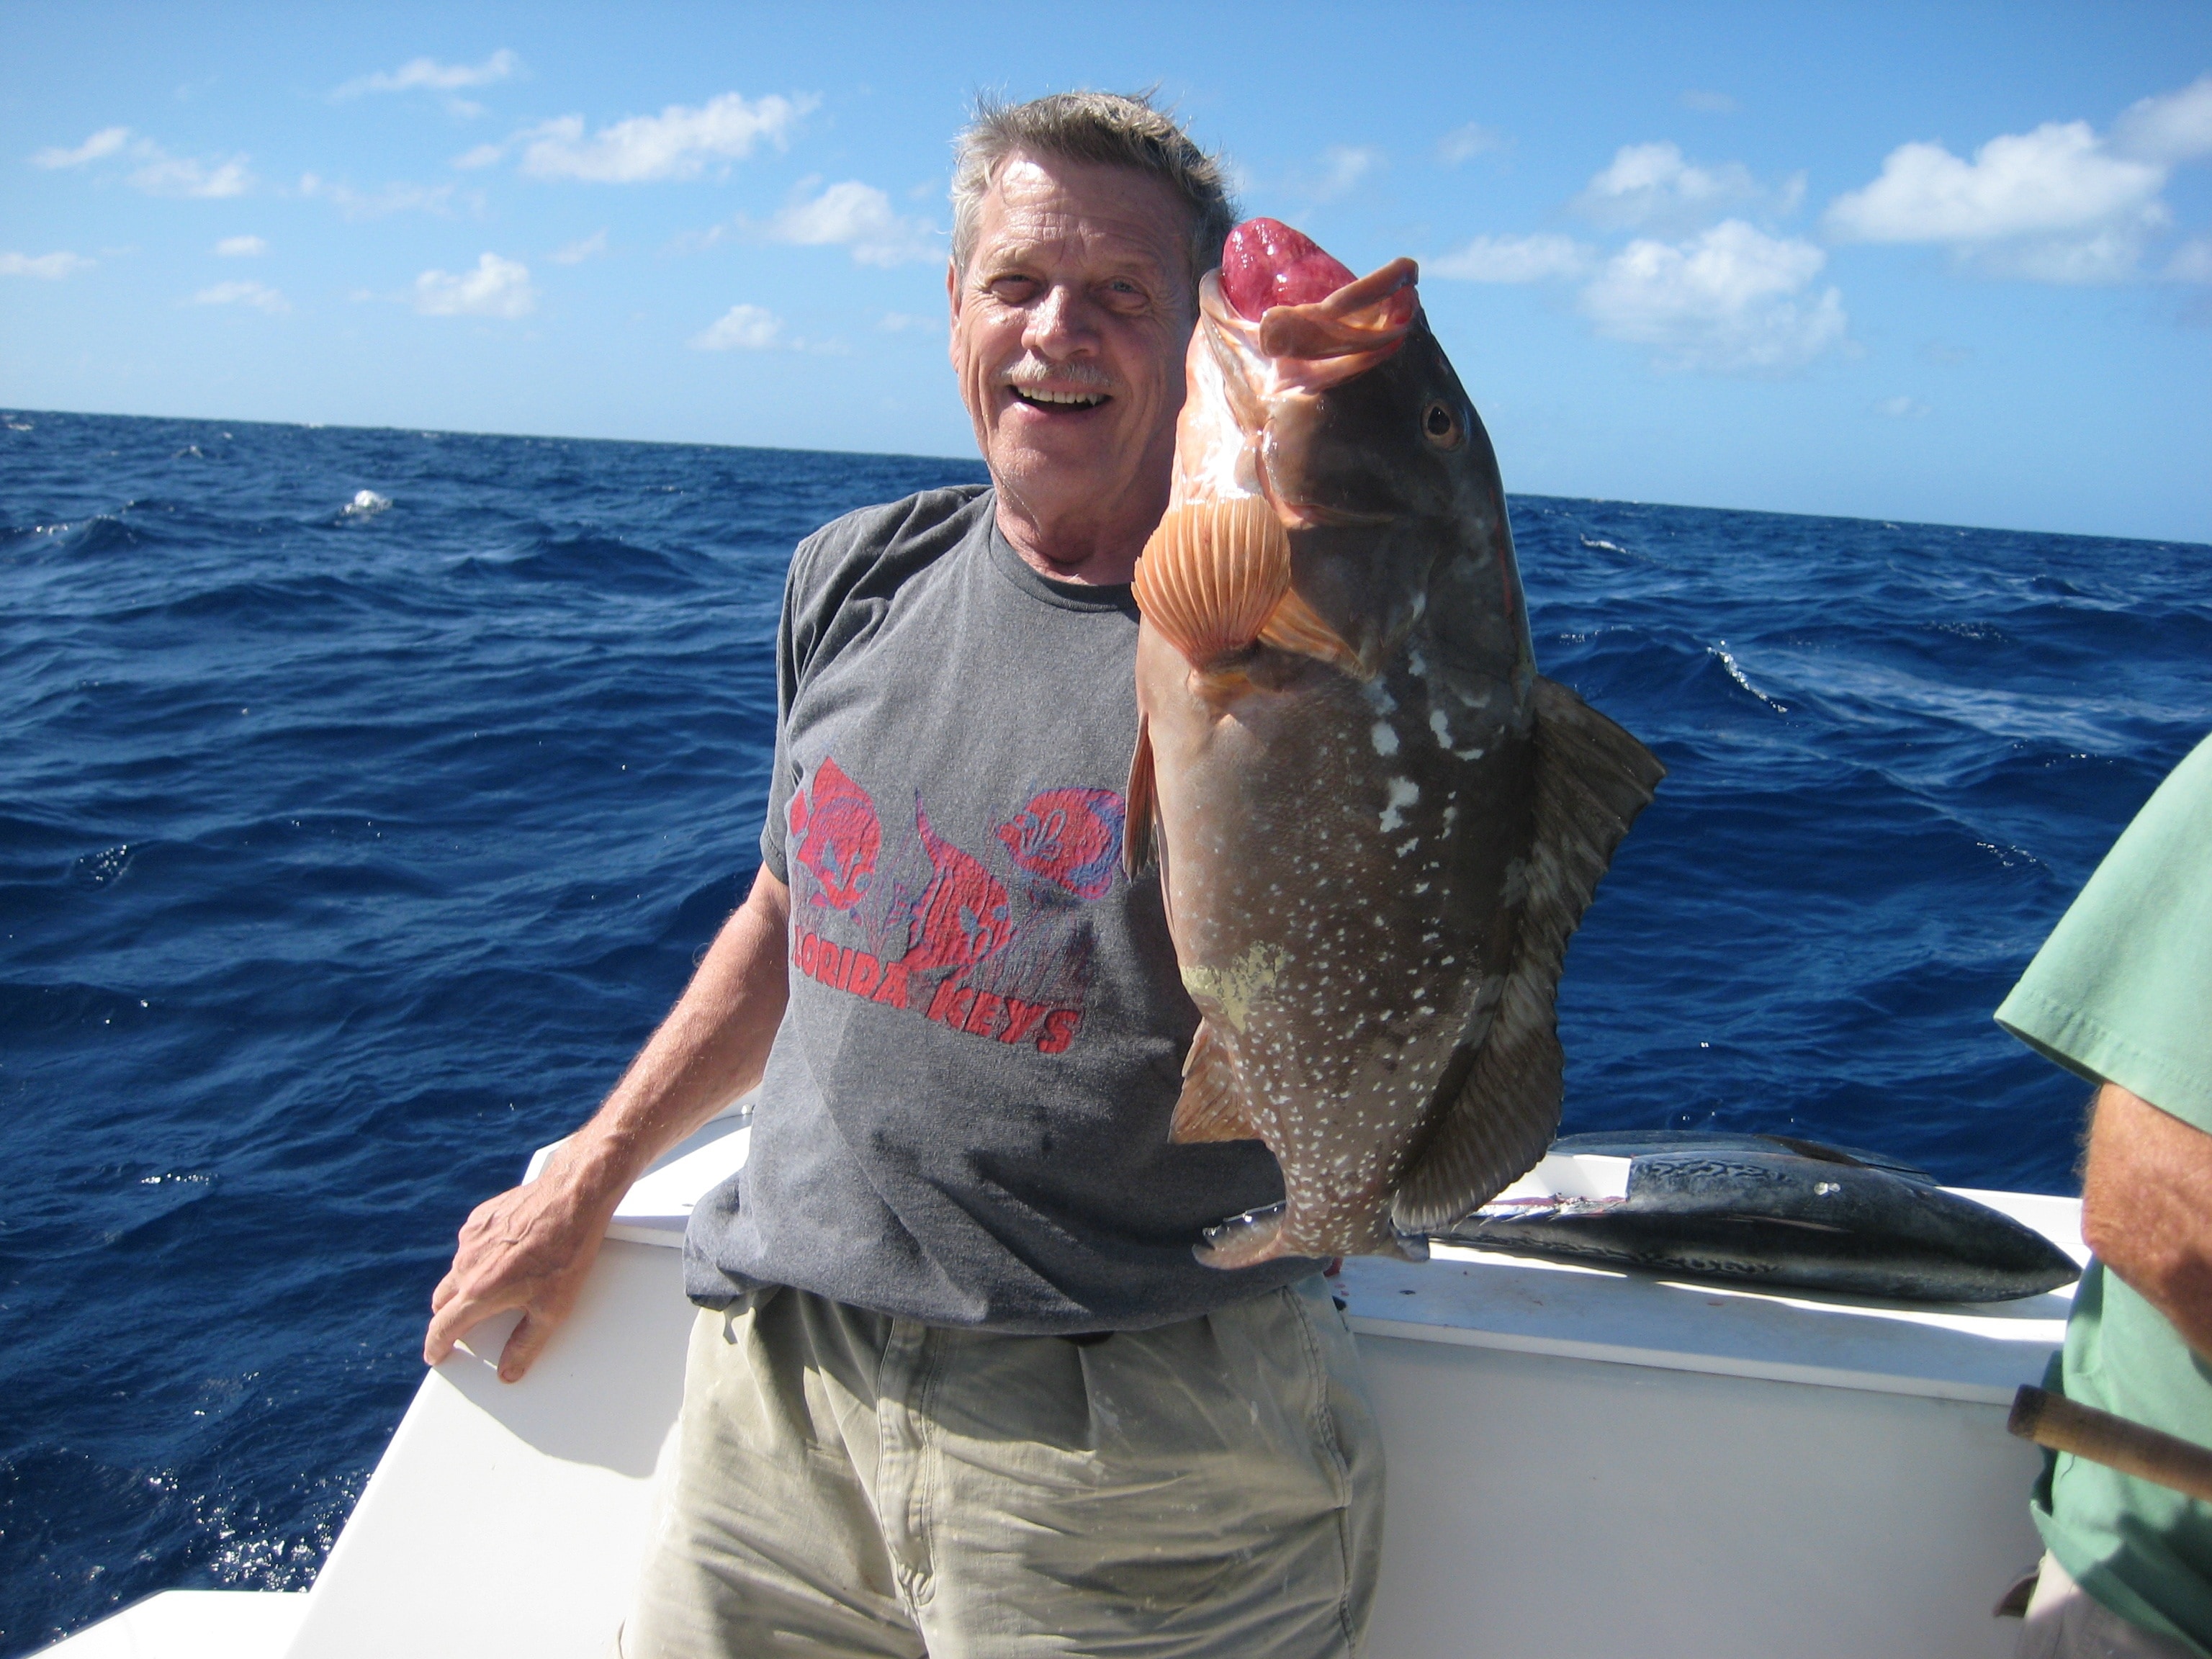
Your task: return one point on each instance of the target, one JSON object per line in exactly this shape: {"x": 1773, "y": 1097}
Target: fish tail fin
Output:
{"x": 1501, "y": 1106}
{"x": 1212, "y": 573}
{"x": 1212, "y": 1106}
{"x": 1243, "y": 1241}
{"x": 1257, "y": 1236}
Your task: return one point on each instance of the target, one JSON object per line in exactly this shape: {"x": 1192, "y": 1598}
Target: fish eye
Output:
{"x": 1440, "y": 425}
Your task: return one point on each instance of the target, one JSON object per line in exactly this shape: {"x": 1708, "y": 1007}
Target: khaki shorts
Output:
{"x": 2065, "y": 1621}
{"x": 850, "y": 1484}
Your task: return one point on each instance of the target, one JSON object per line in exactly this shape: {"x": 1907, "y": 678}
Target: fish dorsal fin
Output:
{"x": 1211, "y": 1105}
{"x": 1295, "y": 626}
{"x": 1141, "y": 801}
{"x": 1591, "y": 779}
{"x": 1212, "y": 573}
{"x": 1820, "y": 1151}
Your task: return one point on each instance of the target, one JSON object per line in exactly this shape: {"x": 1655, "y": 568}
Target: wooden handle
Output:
{"x": 2053, "y": 1420}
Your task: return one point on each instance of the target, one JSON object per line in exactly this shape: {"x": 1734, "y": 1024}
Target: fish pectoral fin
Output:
{"x": 1212, "y": 573}
{"x": 1142, "y": 803}
{"x": 1211, "y": 1105}
{"x": 1294, "y": 625}
{"x": 1500, "y": 1104}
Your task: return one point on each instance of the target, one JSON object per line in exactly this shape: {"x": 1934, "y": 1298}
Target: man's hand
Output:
{"x": 532, "y": 1247}
{"x": 2147, "y": 1208}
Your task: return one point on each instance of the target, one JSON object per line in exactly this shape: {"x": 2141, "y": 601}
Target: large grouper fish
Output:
{"x": 1376, "y": 824}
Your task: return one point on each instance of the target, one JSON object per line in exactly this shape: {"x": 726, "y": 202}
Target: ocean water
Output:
{"x": 365, "y": 798}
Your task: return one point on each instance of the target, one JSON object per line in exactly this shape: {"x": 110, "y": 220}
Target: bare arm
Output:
{"x": 2147, "y": 1208}
{"x": 531, "y": 1247}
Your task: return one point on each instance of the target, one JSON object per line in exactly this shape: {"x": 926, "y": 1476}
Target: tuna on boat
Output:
{"x": 1776, "y": 1212}
{"x": 1376, "y": 824}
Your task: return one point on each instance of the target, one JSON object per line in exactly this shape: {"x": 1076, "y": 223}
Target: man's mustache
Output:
{"x": 1031, "y": 375}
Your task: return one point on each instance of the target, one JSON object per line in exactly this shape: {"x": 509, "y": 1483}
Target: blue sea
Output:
{"x": 366, "y": 797}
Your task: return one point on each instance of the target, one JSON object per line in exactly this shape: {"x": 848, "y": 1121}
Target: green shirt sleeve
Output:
{"x": 2122, "y": 990}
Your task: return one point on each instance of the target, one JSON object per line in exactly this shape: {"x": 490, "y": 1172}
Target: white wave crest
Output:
{"x": 366, "y": 504}
{"x": 1736, "y": 673}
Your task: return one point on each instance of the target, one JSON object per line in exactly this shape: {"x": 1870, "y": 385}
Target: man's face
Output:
{"x": 1068, "y": 331}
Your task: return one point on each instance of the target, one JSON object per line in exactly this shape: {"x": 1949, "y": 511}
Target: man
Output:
{"x": 962, "y": 1388}
{"x": 2122, "y": 993}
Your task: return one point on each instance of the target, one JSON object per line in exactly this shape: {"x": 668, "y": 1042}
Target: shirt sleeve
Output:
{"x": 783, "y": 780}
{"x": 2122, "y": 990}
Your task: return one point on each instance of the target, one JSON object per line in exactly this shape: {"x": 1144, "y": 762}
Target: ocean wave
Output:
{"x": 345, "y": 858}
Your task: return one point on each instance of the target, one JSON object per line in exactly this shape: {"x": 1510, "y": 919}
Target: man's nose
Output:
{"x": 1061, "y": 325}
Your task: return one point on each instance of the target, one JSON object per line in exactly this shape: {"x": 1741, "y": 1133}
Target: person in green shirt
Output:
{"x": 2121, "y": 994}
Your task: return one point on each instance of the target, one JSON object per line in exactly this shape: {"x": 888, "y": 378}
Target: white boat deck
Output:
{"x": 1581, "y": 1462}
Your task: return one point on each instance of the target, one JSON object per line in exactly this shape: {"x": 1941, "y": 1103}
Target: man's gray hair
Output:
{"x": 1104, "y": 127}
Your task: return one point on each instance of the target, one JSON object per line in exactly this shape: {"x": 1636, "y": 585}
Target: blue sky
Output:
{"x": 1951, "y": 264}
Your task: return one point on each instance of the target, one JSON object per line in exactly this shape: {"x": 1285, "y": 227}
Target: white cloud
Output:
{"x": 240, "y": 247}
{"x": 860, "y": 216}
{"x": 2057, "y": 205}
{"x": 427, "y": 74}
{"x": 1513, "y": 259}
{"x": 259, "y": 296}
{"x": 741, "y": 328}
{"x": 1731, "y": 300}
{"x": 51, "y": 266}
{"x": 2173, "y": 127}
{"x": 1709, "y": 103}
{"x": 586, "y": 247}
{"x": 105, "y": 142}
{"x": 1901, "y": 408}
{"x": 1652, "y": 187}
{"x": 677, "y": 144}
{"x": 2191, "y": 262}
{"x": 1342, "y": 167}
{"x": 164, "y": 174}
{"x": 159, "y": 173}
{"x": 2058, "y": 178}
{"x": 1465, "y": 143}
{"x": 496, "y": 288}
{"x": 902, "y": 322}
{"x": 391, "y": 198}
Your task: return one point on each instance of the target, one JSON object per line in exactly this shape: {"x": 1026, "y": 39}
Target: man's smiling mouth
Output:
{"x": 1044, "y": 398}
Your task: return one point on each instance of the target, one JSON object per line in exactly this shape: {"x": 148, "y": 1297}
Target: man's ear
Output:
{"x": 952, "y": 304}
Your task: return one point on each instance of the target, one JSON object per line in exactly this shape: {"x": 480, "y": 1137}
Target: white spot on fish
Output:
{"x": 1441, "y": 726}
{"x": 1470, "y": 754}
{"x": 1384, "y": 738}
{"x": 1404, "y": 792}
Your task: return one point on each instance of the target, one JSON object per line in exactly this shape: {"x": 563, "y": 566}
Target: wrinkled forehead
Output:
{"x": 1085, "y": 215}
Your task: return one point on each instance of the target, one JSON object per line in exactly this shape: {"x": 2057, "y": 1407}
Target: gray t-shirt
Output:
{"x": 964, "y": 1117}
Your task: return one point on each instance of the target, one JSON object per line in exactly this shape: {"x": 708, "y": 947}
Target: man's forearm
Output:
{"x": 531, "y": 1247}
{"x": 2147, "y": 1208}
{"x": 709, "y": 1050}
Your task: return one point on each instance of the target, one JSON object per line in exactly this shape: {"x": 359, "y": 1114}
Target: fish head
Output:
{"x": 1328, "y": 395}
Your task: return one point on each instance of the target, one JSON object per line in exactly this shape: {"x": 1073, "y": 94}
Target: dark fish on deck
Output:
{"x": 1780, "y": 1213}
{"x": 1378, "y": 825}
